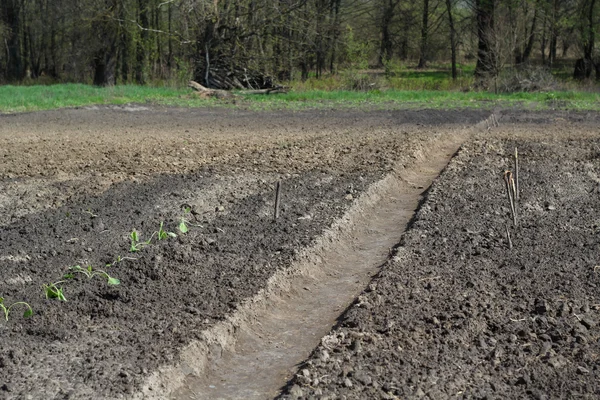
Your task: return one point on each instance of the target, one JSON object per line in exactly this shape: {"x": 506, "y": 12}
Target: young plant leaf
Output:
{"x": 183, "y": 227}
{"x": 113, "y": 281}
{"x": 28, "y": 313}
{"x": 54, "y": 292}
{"x": 171, "y": 234}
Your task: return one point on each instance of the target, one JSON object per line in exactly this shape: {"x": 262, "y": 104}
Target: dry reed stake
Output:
{"x": 510, "y": 245}
{"x": 516, "y": 174}
{"x": 508, "y": 180}
{"x": 514, "y": 196}
{"x": 277, "y": 199}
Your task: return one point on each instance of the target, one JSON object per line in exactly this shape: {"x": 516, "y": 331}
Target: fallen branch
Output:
{"x": 224, "y": 93}
{"x": 206, "y": 92}
{"x": 275, "y": 90}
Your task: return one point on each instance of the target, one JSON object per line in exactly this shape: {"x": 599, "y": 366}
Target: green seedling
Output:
{"x": 90, "y": 273}
{"x": 28, "y": 312}
{"x": 183, "y": 228}
{"x": 120, "y": 259}
{"x": 184, "y": 222}
{"x": 136, "y": 244}
{"x": 134, "y": 241}
{"x": 54, "y": 292}
{"x": 162, "y": 234}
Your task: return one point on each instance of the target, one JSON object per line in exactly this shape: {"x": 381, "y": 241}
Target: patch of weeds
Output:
{"x": 28, "y": 312}
{"x": 90, "y": 273}
{"x": 162, "y": 234}
{"x": 54, "y": 292}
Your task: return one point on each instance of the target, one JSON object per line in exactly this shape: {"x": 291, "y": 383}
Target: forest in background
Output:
{"x": 254, "y": 43}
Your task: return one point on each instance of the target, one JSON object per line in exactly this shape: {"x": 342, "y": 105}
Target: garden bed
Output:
{"x": 456, "y": 312}
{"x": 92, "y": 177}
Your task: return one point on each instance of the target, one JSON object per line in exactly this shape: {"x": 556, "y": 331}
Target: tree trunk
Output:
{"x": 543, "y": 42}
{"x": 12, "y": 18}
{"x": 104, "y": 69}
{"x": 523, "y": 57}
{"x": 386, "y": 45}
{"x": 585, "y": 65}
{"x": 452, "y": 37}
{"x": 424, "y": 31}
{"x": 142, "y": 44}
{"x": 170, "y": 37}
{"x": 486, "y": 65}
{"x": 107, "y": 34}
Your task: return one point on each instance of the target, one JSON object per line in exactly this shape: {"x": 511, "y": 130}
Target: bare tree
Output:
{"x": 453, "y": 43}
{"x": 584, "y": 65}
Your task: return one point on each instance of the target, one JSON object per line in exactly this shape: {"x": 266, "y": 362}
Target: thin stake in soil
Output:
{"x": 277, "y": 199}
{"x": 510, "y": 245}
{"x": 516, "y": 174}
{"x": 510, "y": 187}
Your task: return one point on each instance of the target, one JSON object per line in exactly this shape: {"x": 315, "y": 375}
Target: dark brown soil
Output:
{"x": 75, "y": 183}
{"x": 456, "y": 314}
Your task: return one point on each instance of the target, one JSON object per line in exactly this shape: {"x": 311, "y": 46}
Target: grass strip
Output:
{"x": 14, "y": 99}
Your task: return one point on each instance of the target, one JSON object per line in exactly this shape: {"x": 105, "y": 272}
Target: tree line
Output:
{"x": 251, "y": 43}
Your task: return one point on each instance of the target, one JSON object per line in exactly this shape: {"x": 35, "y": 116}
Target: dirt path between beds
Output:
{"x": 284, "y": 332}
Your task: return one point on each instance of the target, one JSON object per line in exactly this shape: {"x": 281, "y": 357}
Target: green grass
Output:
{"x": 402, "y": 99}
{"x": 32, "y": 98}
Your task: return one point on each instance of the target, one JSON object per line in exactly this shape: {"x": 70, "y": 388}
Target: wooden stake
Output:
{"x": 510, "y": 245}
{"x": 514, "y": 195}
{"x": 516, "y": 174}
{"x": 277, "y": 199}
{"x": 508, "y": 180}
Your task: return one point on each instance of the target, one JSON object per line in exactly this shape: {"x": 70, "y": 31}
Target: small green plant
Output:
{"x": 134, "y": 241}
{"x": 90, "y": 273}
{"x": 162, "y": 234}
{"x": 136, "y": 244}
{"x": 54, "y": 292}
{"x": 28, "y": 312}
{"x": 183, "y": 228}
{"x": 120, "y": 259}
{"x": 183, "y": 222}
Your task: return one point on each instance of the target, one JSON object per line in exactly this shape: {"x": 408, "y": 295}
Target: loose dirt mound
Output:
{"x": 456, "y": 313}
